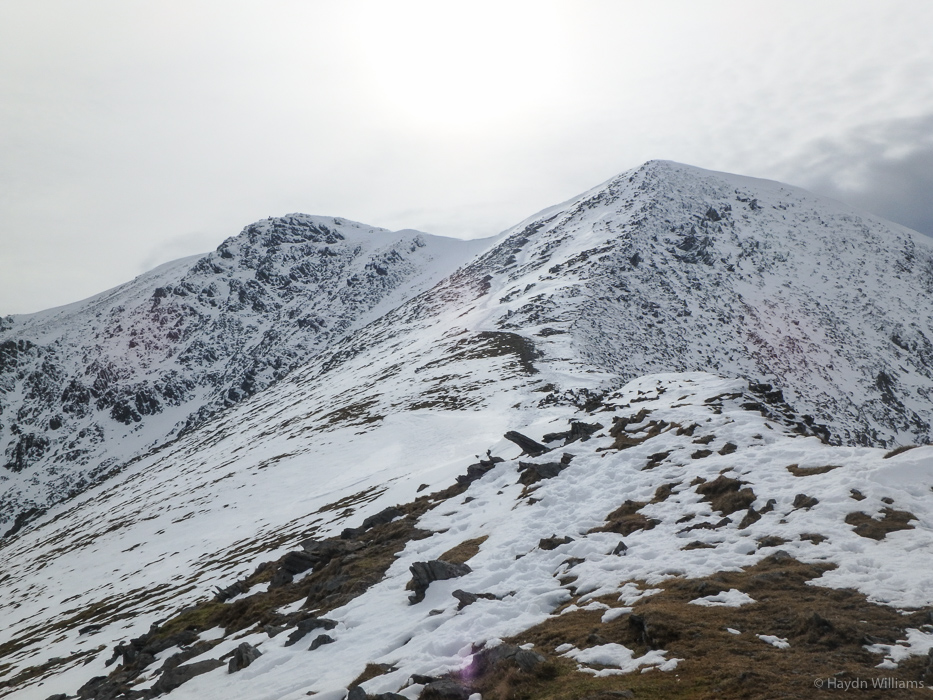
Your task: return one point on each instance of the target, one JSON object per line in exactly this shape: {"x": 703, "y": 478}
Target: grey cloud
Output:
{"x": 885, "y": 168}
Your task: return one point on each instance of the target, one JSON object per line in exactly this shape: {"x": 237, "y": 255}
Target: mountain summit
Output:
{"x": 330, "y": 458}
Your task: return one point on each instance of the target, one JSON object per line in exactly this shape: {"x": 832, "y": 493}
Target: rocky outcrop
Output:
{"x": 423, "y": 573}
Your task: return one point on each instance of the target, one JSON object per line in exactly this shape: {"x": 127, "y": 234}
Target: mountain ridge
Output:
{"x": 176, "y": 345}
{"x": 533, "y": 340}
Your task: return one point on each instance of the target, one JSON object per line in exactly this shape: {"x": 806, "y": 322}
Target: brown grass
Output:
{"x": 899, "y": 450}
{"x": 626, "y": 519}
{"x": 726, "y": 495}
{"x": 893, "y": 520}
{"x": 827, "y": 630}
{"x": 810, "y": 471}
{"x": 464, "y": 551}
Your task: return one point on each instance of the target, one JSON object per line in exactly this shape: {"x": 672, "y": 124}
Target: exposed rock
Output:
{"x": 801, "y": 500}
{"x": 243, "y": 656}
{"x": 419, "y": 679}
{"x": 380, "y": 518}
{"x": 322, "y": 551}
{"x": 291, "y": 564}
{"x": 476, "y": 471}
{"x": 486, "y": 659}
{"x": 356, "y": 693}
{"x": 578, "y": 431}
{"x": 178, "y": 675}
{"x": 224, "y": 594}
{"x": 320, "y": 641}
{"x": 424, "y": 572}
{"x": 529, "y": 446}
{"x": 309, "y": 625}
{"x": 553, "y": 542}
{"x": 532, "y": 473}
{"x": 466, "y": 598}
{"x": 445, "y": 689}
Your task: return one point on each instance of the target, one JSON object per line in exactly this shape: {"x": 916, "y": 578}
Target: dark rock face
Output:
{"x": 309, "y": 625}
{"x": 321, "y": 640}
{"x": 244, "y": 655}
{"x": 174, "y": 677}
{"x": 532, "y": 473}
{"x": 525, "y": 659}
{"x": 356, "y": 693}
{"x": 293, "y": 563}
{"x": 529, "y": 446}
{"x": 381, "y": 518}
{"x": 28, "y": 449}
{"x": 578, "y": 431}
{"x": 424, "y": 572}
{"x": 445, "y": 689}
{"x": 553, "y": 542}
{"x": 466, "y": 598}
{"x": 476, "y": 471}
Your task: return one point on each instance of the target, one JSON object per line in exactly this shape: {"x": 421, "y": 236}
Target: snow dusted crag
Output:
{"x": 670, "y": 267}
{"x": 648, "y": 429}
{"x": 85, "y": 387}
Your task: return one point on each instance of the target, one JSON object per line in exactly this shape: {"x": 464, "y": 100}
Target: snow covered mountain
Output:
{"x": 484, "y": 467}
{"x": 88, "y": 386}
{"x": 674, "y": 268}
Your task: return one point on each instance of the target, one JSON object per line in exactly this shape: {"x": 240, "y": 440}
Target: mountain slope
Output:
{"x": 702, "y": 477}
{"x": 671, "y": 267}
{"x": 87, "y": 386}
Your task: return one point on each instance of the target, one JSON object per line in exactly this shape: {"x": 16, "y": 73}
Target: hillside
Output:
{"x": 647, "y": 426}
{"x": 88, "y": 386}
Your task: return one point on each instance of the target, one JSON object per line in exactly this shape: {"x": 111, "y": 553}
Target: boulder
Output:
{"x": 243, "y": 656}
{"x": 486, "y": 659}
{"x": 322, "y": 551}
{"x": 174, "y": 677}
{"x": 382, "y": 517}
{"x": 529, "y": 446}
{"x": 578, "y": 431}
{"x": 321, "y": 640}
{"x": 356, "y": 693}
{"x": 553, "y": 542}
{"x": 309, "y": 625}
{"x": 476, "y": 471}
{"x": 532, "y": 473}
{"x": 467, "y": 598}
{"x": 445, "y": 689}
{"x": 424, "y": 572}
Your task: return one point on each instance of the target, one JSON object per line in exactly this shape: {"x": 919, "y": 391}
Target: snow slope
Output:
{"x": 85, "y": 387}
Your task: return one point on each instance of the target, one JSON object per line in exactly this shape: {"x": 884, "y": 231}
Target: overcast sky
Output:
{"x": 133, "y": 133}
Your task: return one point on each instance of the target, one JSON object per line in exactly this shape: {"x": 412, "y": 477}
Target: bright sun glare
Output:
{"x": 453, "y": 65}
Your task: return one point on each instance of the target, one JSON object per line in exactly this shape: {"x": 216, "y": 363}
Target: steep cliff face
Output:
{"x": 87, "y": 386}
